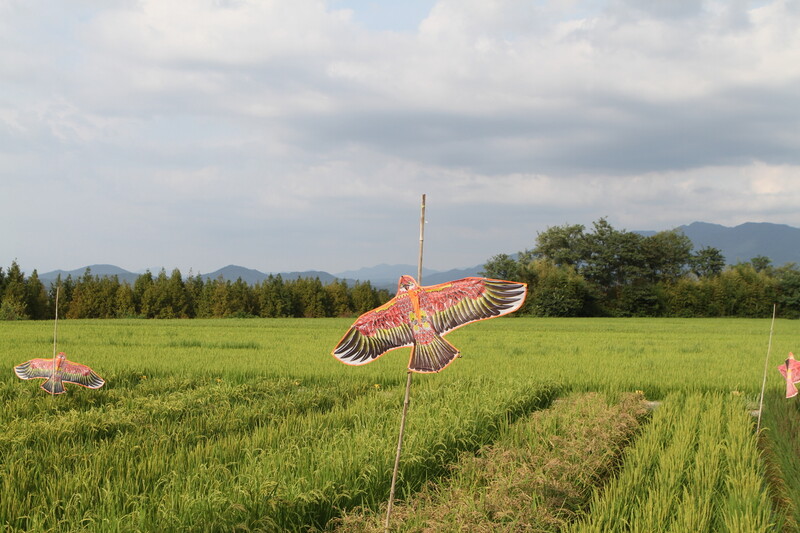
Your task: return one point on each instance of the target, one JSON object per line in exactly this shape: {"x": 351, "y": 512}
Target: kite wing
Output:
{"x": 376, "y": 332}
{"x": 35, "y": 368}
{"x": 69, "y": 372}
{"x": 790, "y": 371}
{"x": 81, "y": 375}
{"x": 457, "y": 303}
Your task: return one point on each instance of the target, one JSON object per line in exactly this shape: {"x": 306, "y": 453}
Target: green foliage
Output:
{"x": 171, "y": 296}
{"x": 608, "y": 272}
{"x": 788, "y": 297}
{"x": 555, "y": 290}
{"x": 707, "y": 262}
{"x": 11, "y": 309}
{"x": 563, "y": 245}
{"x": 15, "y": 295}
{"x": 502, "y": 266}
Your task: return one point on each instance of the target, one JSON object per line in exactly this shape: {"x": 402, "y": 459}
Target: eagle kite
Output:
{"x": 419, "y": 317}
{"x": 64, "y": 371}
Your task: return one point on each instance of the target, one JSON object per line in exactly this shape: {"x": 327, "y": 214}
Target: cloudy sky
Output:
{"x": 301, "y": 135}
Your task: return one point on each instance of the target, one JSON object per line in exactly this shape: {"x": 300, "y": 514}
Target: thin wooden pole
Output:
{"x": 421, "y": 239}
{"x": 55, "y": 335}
{"x": 766, "y": 364}
{"x": 408, "y": 383}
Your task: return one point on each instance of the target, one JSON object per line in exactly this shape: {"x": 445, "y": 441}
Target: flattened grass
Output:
{"x": 536, "y": 476}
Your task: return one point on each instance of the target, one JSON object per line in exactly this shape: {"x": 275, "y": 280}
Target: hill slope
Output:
{"x": 779, "y": 242}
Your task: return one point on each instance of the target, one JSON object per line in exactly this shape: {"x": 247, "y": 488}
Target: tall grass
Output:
{"x": 215, "y": 439}
{"x": 695, "y": 468}
{"x": 218, "y": 425}
{"x": 780, "y": 440}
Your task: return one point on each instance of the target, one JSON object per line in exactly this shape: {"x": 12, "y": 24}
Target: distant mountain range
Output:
{"x": 381, "y": 276}
{"x": 779, "y": 242}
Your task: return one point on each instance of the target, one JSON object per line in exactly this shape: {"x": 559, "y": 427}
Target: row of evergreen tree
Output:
{"x": 610, "y": 272}
{"x": 172, "y": 296}
{"x": 569, "y": 272}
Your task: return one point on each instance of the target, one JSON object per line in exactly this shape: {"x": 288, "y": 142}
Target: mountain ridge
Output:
{"x": 779, "y": 242}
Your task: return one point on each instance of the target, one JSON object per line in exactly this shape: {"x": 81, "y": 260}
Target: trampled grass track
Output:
{"x": 213, "y": 425}
{"x": 538, "y": 474}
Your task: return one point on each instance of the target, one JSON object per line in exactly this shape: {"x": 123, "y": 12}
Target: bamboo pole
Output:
{"x": 408, "y": 383}
{"x": 766, "y": 364}
{"x": 55, "y": 336}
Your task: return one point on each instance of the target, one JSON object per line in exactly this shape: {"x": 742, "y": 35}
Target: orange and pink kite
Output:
{"x": 790, "y": 371}
{"x": 419, "y": 316}
{"x": 57, "y": 371}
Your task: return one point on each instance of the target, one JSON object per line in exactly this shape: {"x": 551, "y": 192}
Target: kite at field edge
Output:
{"x": 419, "y": 316}
{"x": 790, "y": 371}
{"x": 64, "y": 372}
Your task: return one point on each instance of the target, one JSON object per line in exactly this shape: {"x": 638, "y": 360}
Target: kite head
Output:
{"x": 406, "y": 284}
{"x": 60, "y": 358}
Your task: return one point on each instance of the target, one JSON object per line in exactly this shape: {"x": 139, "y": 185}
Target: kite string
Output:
{"x": 766, "y": 364}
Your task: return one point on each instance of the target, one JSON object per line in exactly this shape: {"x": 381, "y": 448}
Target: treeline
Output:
{"x": 569, "y": 272}
{"x": 608, "y": 272}
{"x": 170, "y": 296}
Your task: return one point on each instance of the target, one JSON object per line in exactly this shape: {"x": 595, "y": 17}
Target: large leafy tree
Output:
{"x": 707, "y": 262}
{"x": 613, "y": 257}
{"x": 563, "y": 245}
{"x": 667, "y": 255}
{"x": 502, "y": 266}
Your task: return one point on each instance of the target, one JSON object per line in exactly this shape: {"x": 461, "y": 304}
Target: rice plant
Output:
{"x": 695, "y": 468}
{"x": 219, "y": 425}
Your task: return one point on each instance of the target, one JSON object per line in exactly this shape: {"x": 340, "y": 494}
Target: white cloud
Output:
{"x": 271, "y": 114}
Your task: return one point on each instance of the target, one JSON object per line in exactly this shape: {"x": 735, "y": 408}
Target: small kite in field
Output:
{"x": 790, "y": 371}
{"x": 420, "y": 316}
{"x": 58, "y": 371}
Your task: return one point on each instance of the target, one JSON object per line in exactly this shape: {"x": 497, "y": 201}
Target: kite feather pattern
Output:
{"x": 790, "y": 371}
{"x": 58, "y": 371}
{"x": 419, "y": 316}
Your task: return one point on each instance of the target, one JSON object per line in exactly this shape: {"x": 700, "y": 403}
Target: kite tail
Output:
{"x": 432, "y": 356}
{"x": 53, "y": 386}
{"x": 791, "y": 390}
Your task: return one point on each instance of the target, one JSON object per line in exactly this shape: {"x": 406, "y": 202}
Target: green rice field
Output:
{"x": 579, "y": 425}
